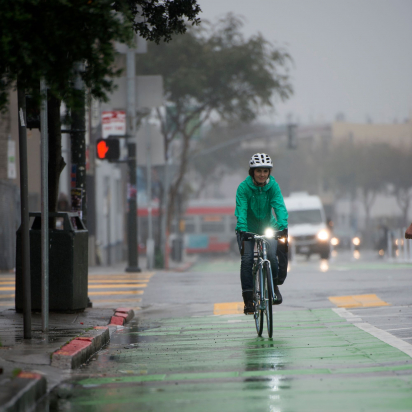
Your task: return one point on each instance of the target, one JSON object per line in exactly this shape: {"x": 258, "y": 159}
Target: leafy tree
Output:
{"x": 220, "y": 152}
{"x": 361, "y": 169}
{"x": 46, "y": 38}
{"x": 213, "y": 72}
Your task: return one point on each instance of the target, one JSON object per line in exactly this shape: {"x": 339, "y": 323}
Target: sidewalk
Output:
{"x": 35, "y": 355}
{"x": 28, "y": 368}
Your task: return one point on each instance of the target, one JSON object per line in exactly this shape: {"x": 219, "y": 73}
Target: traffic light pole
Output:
{"x": 78, "y": 144}
{"x": 24, "y": 200}
{"x": 133, "y": 257}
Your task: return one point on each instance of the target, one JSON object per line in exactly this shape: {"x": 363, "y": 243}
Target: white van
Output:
{"x": 308, "y": 231}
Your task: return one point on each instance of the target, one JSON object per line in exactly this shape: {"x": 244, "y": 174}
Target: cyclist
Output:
{"x": 256, "y": 196}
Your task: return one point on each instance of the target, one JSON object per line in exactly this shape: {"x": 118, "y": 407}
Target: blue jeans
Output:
{"x": 278, "y": 262}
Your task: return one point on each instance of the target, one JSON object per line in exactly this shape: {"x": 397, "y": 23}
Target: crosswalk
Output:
{"x": 122, "y": 289}
{"x": 105, "y": 290}
{"x": 7, "y": 285}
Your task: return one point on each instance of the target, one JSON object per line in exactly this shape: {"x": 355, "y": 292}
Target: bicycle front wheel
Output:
{"x": 267, "y": 274}
{"x": 257, "y": 287}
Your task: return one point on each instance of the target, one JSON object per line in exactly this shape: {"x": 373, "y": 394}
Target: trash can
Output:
{"x": 177, "y": 249}
{"x": 68, "y": 264}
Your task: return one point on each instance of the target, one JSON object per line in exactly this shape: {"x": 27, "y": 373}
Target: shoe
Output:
{"x": 279, "y": 298}
{"x": 249, "y": 308}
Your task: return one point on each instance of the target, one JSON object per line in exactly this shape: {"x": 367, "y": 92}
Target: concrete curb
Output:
{"x": 81, "y": 349}
{"x": 121, "y": 316}
{"x": 22, "y": 392}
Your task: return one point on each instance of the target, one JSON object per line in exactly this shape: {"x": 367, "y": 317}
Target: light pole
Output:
{"x": 133, "y": 256}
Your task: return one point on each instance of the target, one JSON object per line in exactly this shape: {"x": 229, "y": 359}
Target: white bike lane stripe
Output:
{"x": 384, "y": 336}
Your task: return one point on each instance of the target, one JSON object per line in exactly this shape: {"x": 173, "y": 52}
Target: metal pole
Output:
{"x": 405, "y": 246}
{"x": 150, "y": 242}
{"x": 24, "y": 200}
{"x": 165, "y": 213}
{"x": 133, "y": 257}
{"x": 44, "y": 210}
{"x": 108, "y": 221}
{"x": 390, "y": 245}
{"x": 78, "y": 141}
{"x": 410, "y": 249}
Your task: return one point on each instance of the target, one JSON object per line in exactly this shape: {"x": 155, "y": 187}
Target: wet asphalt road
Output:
{"x": 178, "y": 355}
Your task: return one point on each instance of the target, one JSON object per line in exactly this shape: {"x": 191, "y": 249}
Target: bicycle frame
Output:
{"x": 260, "y": 260}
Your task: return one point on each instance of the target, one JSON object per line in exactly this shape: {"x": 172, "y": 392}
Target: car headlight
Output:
{"x": 323, "y": 235}
{"x": 334, "y": 241}
{"x": 356, "y": 241}
{"x": 269, "y": 232}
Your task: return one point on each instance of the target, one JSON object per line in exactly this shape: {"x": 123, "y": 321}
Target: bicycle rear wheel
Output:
{"x": 258, "y": 315}
{"x": 267, "y": 274}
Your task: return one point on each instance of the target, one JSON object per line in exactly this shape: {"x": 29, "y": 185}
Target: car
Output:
{"x": 308, "y": 231}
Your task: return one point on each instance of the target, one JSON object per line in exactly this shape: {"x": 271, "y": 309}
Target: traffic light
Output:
{"x": 108, "y": 149}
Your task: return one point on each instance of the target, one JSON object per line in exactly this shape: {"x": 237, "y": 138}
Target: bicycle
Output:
{"x": 263, "y": 290}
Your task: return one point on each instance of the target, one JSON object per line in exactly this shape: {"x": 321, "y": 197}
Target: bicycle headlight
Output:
{"x": 269, "y": 232}
{"x": 323, "y": 235}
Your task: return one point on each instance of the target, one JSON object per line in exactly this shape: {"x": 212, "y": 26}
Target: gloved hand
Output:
{"x": 246, "y": 235}
{"x": 283, "y": 233}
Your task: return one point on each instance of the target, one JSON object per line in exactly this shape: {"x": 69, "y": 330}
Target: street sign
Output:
{"x": 113, "y": 123}
{"x": 150, "y": 140}
{"x": 108, "y": 149}
{"x": 149, "y": 91}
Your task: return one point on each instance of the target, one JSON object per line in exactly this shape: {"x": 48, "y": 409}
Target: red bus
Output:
{"x": 209, "y": 226}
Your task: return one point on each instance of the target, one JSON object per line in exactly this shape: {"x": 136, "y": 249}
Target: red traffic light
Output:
{"x": 108, "y": 149}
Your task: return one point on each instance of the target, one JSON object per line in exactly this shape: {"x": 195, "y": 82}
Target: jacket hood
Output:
{"x": 255, "y": 188}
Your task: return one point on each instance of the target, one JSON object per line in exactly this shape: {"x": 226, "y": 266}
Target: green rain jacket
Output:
{"x": 254, "y": 206}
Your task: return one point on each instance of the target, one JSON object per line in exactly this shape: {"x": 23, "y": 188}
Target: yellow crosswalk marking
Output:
{"x": 357, "y": 301}
{"x": 231, "y": 308}
{"x": 6, "y": 296}
{"x": 130, "y": 299}
{"x": 109, "y": 286}
{"x": 131, "y": 282}
{"x": 117, "y": 292}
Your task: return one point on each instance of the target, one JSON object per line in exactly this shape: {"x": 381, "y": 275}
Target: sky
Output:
{"x": 350, "y": 56}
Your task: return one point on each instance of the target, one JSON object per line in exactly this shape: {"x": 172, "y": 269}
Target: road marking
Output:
{"x": 118, "y": 292}
{"x": 132, "y": 300}
{"x": 109, "y": 286}
{"x": 131, "y": 282}
{"x": 7, "y": 296}
{"x": 382, "y": 335}
{"x": 230, "y": 308}
{"x": 388, "y": 330}
{"x": 357, "y": 301}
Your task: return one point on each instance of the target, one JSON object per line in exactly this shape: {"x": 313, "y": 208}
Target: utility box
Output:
{"x": 68, "y": 264}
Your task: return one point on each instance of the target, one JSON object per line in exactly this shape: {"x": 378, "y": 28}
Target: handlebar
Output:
{"x": 251, "y": 236}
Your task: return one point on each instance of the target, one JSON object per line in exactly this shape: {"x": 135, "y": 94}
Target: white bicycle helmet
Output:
{"x": 260, "y": 160}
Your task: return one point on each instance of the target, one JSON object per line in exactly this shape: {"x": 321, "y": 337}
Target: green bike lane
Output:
{"x": 316, "y": 360}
